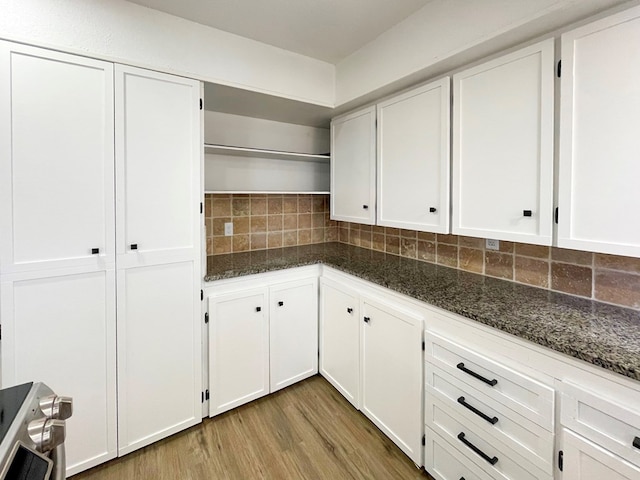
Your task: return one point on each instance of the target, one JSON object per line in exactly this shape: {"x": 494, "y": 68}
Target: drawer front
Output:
{"x": 444, "y": 462}
{"x": 524, "y": 436}
{"x": 477, "y": 445}
{"x": 612, "y": 426}
{"x": 522, "y": 394}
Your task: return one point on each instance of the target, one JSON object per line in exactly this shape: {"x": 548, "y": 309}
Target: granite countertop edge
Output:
{"x": 600, "y": 334}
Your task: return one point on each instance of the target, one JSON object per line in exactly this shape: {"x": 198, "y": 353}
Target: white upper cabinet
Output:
{"x": 56, "y": 160}
{"x": 158, "y": 156}
{"x": 599, "y": 143}
{"x": 353, "y": 167}
{"x": 413, "y": 159}
{"x": 503, "y": 147}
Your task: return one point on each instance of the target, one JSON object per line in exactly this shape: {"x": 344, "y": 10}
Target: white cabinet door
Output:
{"x": 584, "y": 460}
{"x": 158, "y": 162}
{"x": 503, "y": 147}
{"x": 238, "y": 349}
{"x": 60, "y": 330}
{"x": 353, "y": 167}
{"x": 598, "y": 194}
{"x": 413, "y": 159}
{"x": 56, "y": 160}
{"x": 293, "y": 332}
{"x": 340, "y": 340}
{"x": 391, "y": 374}
{"x": 159, "y": 357}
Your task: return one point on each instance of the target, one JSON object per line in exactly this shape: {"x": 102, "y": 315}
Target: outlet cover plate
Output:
{"x": 493, "y": 244}
{"x": 228, "y": 229}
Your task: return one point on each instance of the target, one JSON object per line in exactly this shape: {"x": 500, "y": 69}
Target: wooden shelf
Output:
{"x": 260, "y": 153}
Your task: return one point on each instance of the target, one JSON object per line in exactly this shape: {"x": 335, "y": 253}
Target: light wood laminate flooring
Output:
{"x": 306, "y": 431}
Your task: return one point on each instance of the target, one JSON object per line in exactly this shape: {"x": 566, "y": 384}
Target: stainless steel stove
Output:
{"x": 32, "y": 432}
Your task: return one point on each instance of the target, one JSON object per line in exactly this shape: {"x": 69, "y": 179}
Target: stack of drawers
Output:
{"x": 484, "y": 420}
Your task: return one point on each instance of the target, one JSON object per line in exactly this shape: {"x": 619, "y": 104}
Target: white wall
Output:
{"x": 240, "y": 131}
{"x": 124, "y": 32}
{"x": 445, "y": 34}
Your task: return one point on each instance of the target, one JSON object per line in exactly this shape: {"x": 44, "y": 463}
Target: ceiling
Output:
{"x": 327, "y": 30}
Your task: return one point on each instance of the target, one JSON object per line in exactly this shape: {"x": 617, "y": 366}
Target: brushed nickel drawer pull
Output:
{"x": 491, "y": 460}
{"x": 484, "y": 416}
{"x": 461, "y": 366}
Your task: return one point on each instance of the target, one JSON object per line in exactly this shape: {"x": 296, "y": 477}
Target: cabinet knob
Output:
{"x": 367, "y": 319}
{"x": 432, "y": 209}
{"x": 636, "y": 442}
{"x": 527, "y": 213}
{"x": 95, "y": 251}
{"x": 349, "y": 310}
{"x": 258, "y": 309}
{"x": 280, "y": 304}
{"x": 133, "y": 246}
{"x": 366, "y": 207}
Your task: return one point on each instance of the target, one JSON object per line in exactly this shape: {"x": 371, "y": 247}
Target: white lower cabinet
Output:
{"x": 600, "y": 437}
{"x": 371, "y": 351}
{"x": 263, "y": 336}
{"x": 293, "y": 332}
{"x": 489, "y": 413}
{"x": 391, "y": 374}
{"x": 585, "y": 460}
{"x": 60, "y": 329}
{"x": 159, "y": 354}
{"x": 238, "y": 349}
{"x": 340, "y": 339}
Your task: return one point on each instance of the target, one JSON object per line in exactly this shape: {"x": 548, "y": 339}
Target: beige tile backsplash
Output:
{"x": 608, "y": 278}
{"x": 262, "y": 221}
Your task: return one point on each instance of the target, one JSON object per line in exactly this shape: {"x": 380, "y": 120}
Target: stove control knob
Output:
{"x": 46, "y": 433}
{"x": 57, "y": 407}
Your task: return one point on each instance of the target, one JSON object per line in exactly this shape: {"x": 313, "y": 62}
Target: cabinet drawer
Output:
{"x": 478, "y": 446}
{"x": 526, "y": 396}
{"x": 521, "y": 434}
{"x": 610, "y": 425}
{"x": 443, "y": 461}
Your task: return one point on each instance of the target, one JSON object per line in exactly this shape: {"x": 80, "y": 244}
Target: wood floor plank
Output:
{"x": 306, "y": 431}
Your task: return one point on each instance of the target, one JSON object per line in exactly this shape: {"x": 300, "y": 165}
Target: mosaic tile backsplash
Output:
{"x": 271, "y": 221}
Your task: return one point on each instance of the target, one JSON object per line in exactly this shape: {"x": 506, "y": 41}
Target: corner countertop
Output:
{"x": 598, "y": 333}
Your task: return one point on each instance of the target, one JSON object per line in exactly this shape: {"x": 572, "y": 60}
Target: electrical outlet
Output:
{"x": 228, "y": 229}
{"x": 493, "y": 244}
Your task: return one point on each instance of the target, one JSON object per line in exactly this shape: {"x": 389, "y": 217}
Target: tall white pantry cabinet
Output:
{"x": 100, "y": 200}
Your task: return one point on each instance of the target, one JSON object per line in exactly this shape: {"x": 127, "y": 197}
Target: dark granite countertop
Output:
{"x": 595, "y": 332}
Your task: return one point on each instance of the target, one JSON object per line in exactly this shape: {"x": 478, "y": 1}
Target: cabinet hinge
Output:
{"x": 206, "y": 395}
{"x": 206, "y": 317}
{"x": 424, "y": 440}
{"x": 200, "y": 104}
{"x": 561, "y": 460}
{"x": 201, "y": 207}
{"x": 555, "y": 215}
{"x": 201, "y": 295}
{"x": 559, "y": 71}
